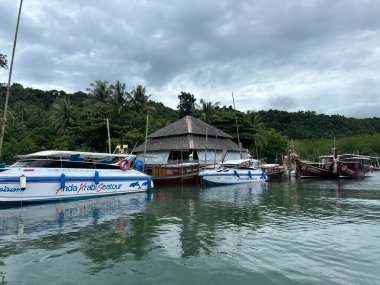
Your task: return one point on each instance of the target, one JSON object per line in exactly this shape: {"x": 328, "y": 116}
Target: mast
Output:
{"x": 206, "y": 146}
{"x": 109, "y": 136}
{"x": 146, "y": 137}
{"x": 237, "y": 128}
{"x": 334, "y": 150}
{"x": 9, "y": 82}
{"x": 216, "y": 141}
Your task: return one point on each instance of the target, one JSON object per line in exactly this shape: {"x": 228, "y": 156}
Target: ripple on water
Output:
{"x": 292, "y": 232}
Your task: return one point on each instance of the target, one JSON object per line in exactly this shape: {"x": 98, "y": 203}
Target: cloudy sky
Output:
{"x": 319, "y": 55}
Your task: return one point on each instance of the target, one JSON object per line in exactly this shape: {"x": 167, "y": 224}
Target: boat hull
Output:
{"x": 175, "y": 181}
{"x": 352, "y": 170}
{"x": 342, "y": 170}
{"x": 232, "y": 177}
{"x": 274, "y": 171}
{"x": 177, "y": 174}
{"x": 42, "y": 185}
{"x": 313, "y": 170}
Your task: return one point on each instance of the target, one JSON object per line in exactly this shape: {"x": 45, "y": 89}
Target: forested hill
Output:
{"x": 309, "y": 125}
{"x": 40, "y": 120}
{"x": 294, "y": 125}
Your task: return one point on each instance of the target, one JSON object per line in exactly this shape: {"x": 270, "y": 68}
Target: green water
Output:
{"x": 287, "y": 232}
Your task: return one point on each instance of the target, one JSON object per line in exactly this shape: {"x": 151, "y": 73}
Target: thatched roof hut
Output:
{"x": 189, "y": 137}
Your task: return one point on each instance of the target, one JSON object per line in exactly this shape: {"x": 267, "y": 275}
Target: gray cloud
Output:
{"x": 295, "y": 55}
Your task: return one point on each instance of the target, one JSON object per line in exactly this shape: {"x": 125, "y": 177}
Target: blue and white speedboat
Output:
{"x": 62, "y": 175}
{"x": 231, "y": 172}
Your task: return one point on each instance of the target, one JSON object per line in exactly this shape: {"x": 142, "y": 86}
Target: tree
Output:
{"x": 100, "y": 90}
{"x": 138, "y": 100}
{"x": 276, "y": 146}
{"x": 64, "y": 113}
{"x": 118, "y": 96}
{"x": 3, "y": 61}
{"x": 22, "y": 110}
{"x": 207, "y": 109}
{"x": 260, "y": 133}
{"x": 186, "y": 104}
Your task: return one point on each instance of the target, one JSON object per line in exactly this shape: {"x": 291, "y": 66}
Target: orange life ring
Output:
{"x": 124, "y": 164}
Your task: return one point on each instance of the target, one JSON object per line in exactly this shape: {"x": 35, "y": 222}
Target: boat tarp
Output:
{"x": 233, "y": 155}
{"x": 212, "y": 156}
{"x": 154, "y": 157}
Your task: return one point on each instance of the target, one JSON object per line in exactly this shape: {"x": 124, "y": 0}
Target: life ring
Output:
{"x": 124, "y": 164}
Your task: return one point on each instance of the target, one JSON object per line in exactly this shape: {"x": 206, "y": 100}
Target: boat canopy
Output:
{"x": 154, "y": 157}
{"x": 238, "y": 162}
{"x": 76, "y": 155}
{"x": 235, "y": 161}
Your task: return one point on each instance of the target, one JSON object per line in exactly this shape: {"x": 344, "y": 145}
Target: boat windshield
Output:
{"x": 242, "y": 164}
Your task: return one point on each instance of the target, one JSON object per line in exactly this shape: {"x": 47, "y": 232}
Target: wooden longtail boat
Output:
{"x": 306, "y": 169}
{"x": 333, "y": 167}
{"x": 175, "y": 174}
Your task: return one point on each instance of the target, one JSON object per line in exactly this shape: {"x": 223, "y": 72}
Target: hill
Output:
{"x": 40, "y": 120}
{"x": 309, "y": 125}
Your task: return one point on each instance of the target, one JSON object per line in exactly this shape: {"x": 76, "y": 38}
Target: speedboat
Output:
{"x": 62, "y": 175}
{"x": 238, "y": 171}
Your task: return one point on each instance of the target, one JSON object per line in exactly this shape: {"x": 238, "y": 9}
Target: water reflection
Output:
{"x": 34, "y": 221}
{"x": 189, "y": 220}
{"x": 293, "y": 229}
{"x": 236, "y": 194}
{"x": 102, "y": 227}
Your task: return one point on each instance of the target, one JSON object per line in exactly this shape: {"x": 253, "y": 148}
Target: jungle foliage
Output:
{"x": 365, "y": 144}
{"x": 310, "y": 125}
{"x": 41, "y": 120}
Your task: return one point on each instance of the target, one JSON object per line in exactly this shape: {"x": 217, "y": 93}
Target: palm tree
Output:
{"x": 260, "y": 133}
{"x": 3, "y": 61}
{"x": 138, "y": 100}
{"x": 208, "y": 109}
{"x": 22, "y": 109}
{"x": 100, "y": 90}
{"x": 64, "y": 114}
{"x": 118, "y": 96}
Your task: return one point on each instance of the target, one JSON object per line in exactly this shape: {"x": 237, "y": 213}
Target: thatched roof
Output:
{"x": 188, "y": 142}
{"x": 189, "y": 125}
{"x": 189, "y": 133}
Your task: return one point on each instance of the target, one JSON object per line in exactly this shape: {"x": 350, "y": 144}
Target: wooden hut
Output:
{"x": 189, "y": 139}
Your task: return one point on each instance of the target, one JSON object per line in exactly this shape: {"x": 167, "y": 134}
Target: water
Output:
{"x": 288, "y": 232}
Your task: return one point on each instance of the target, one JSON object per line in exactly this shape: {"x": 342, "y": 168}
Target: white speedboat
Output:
{"x": 234, "y": 172}
{"x": 61, "y": 175}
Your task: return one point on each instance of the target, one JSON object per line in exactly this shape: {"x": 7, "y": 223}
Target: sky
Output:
{"x": 293, "y": 55}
